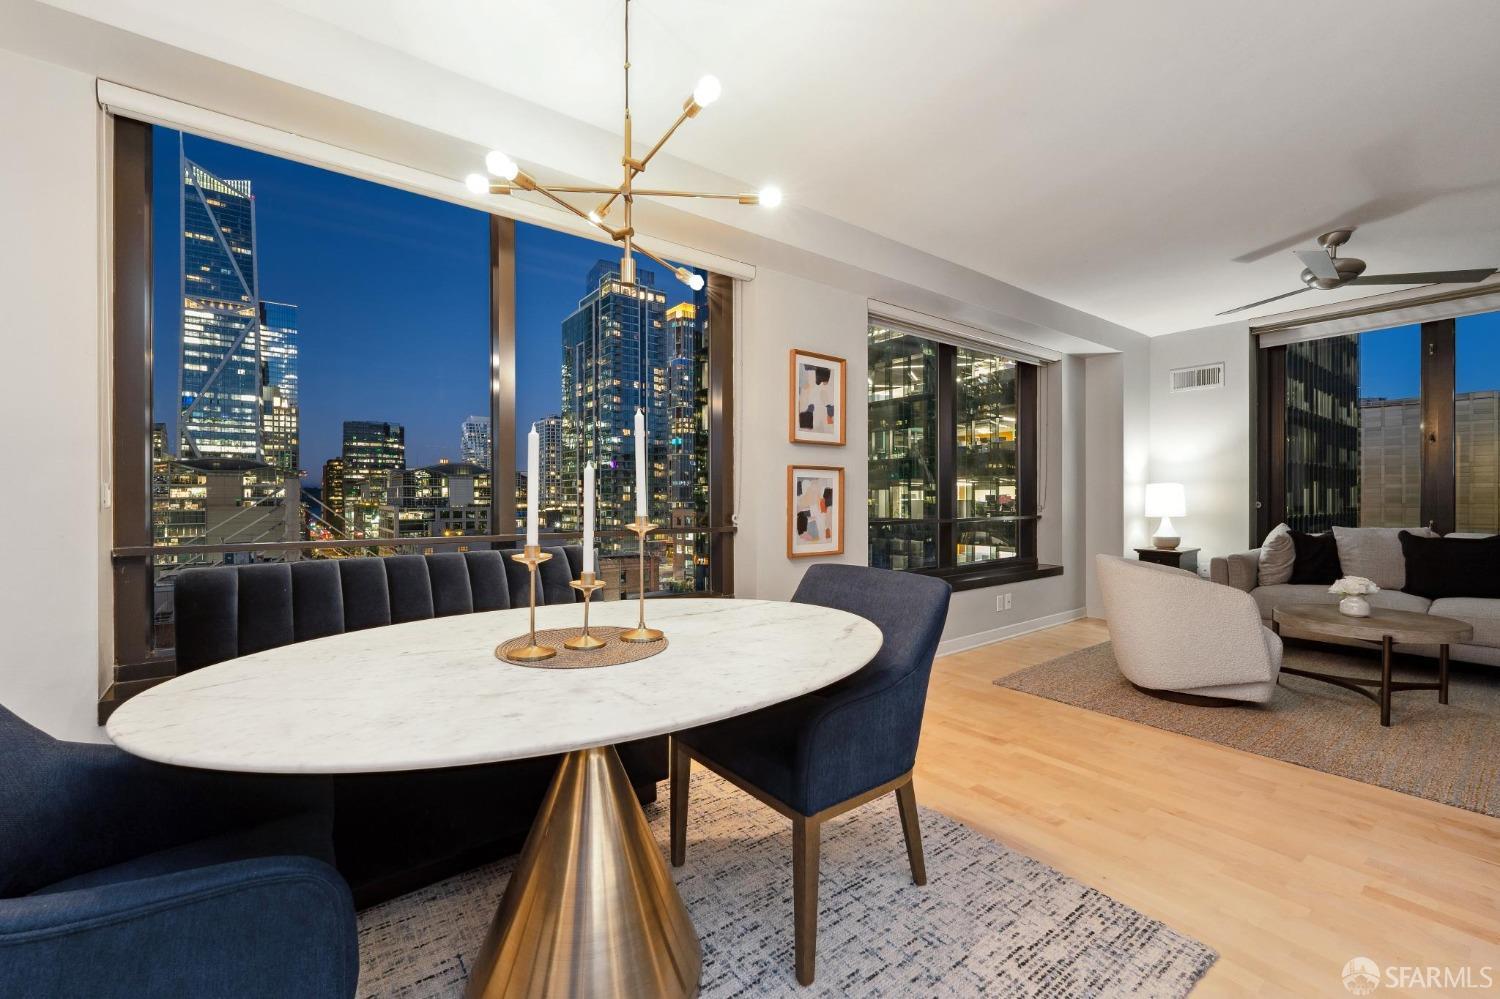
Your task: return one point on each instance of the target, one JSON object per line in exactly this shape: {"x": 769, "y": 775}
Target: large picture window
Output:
{"x": 1396, "y": 427}
{"x": 309, "y": 365}
{"x": 589, "y": 352}
{"x": 952, "y": 459}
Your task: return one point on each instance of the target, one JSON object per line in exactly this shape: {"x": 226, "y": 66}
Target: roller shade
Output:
{"x": 961, "y": 335}
{"x": 1362, "y": 315}
{"x": 157, "y": 110}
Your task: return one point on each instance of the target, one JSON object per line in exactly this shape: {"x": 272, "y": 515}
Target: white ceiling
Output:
{"x": 1151, "y": 163}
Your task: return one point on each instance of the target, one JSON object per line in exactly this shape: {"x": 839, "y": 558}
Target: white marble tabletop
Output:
{"x": 432, "y": 694}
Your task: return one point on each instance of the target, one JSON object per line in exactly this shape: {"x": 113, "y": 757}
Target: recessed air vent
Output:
{"x": 1196, "y": 379}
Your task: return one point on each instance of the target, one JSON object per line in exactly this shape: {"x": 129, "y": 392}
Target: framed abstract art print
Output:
{"x": 818, "y": 394}
{"x": 815, "y": 511}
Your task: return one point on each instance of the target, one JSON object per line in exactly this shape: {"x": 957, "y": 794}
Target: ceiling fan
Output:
{"x": 1323, "y": 269}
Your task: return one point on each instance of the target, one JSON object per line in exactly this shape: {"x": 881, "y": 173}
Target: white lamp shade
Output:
{"x": 1165, "y": 499}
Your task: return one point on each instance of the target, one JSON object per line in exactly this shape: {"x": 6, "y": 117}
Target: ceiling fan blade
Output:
{"x": 1427, "y": 277}
{"x": 1319, "y": 262}
{"x": 1264, "y": 301}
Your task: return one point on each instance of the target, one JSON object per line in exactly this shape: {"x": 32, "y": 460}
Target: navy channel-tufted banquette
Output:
{"x": 394, "y": 832}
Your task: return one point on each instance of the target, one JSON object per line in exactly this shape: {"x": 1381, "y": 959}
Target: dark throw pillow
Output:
{"x": 1451, "y": 567}
{"x": 1317, "y": 558}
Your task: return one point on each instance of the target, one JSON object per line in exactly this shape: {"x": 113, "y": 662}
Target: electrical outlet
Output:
{"x": 1002, "y": 602}
{"x": 1007, "y": 601}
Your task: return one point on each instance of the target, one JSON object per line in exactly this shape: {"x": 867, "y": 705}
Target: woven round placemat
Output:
{"x": 612, "y": 653}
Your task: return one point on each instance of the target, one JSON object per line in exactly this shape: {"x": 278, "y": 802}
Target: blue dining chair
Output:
{"x": 817, "y": 756}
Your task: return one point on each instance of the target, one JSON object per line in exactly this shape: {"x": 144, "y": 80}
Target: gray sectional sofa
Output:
{"x": 1376, "y": 554}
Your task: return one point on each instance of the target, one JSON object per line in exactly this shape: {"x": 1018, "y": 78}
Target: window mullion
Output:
{"x": 1439, "y": 496}
{"x": 947, "y": 453}
{"x": 502, "y": 375}
{"x": 1027, "y": 420}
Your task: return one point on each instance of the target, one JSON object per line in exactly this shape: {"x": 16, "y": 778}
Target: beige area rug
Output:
{"x": 990, "y": 921}
{"x": 1448, "y": 753}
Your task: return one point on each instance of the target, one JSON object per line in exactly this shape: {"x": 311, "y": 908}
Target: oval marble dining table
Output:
{"x": 590, "y": 909}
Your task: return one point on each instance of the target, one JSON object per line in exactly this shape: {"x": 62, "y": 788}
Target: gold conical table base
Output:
{"x": 591, "y": 909}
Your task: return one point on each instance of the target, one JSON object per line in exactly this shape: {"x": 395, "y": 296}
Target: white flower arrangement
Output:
{"x": 1354, "y": 586}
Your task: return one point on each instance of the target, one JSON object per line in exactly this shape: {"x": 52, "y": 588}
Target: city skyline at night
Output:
{"x": 392, "y": 292}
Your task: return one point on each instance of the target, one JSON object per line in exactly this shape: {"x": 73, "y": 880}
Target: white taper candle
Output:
{"x": 640, "y": 464}
{"x": 588, "y": 517}
{"x": 533, "y": 484}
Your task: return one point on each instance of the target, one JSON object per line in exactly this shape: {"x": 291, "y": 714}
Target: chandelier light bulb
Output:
{"x": 500, "y": 165}
{"x": 594, "y": 217}
{"x": 770, "y": 196}
{"x": 707, "y": 91}
{"x": 695, "y": 281}
{"x": 477, "y": 183}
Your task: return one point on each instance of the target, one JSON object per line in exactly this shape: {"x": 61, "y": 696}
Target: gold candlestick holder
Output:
{"x": 531, "y": 556}
{"x": 587, "y": 585}
{"x": 641, "y": 633}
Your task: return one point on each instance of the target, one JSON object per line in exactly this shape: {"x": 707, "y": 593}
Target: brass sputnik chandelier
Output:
{"x": 504, "y": 177}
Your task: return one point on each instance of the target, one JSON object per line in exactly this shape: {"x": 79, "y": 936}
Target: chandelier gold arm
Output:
{"x": 631, "y": 168}
{"x": 744, "y": 199}
{"x": 679, "y": 271}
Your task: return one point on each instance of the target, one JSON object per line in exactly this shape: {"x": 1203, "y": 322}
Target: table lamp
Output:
{"x": 1165, "y": 500}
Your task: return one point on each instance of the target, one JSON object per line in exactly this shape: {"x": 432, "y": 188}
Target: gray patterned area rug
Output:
{"x": 989, "y": 921}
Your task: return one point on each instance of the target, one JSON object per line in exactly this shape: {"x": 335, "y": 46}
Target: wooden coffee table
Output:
{"x": 1383, "y": 628}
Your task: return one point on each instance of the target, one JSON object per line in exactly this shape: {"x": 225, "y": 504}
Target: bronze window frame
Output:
{"x": 1438, "y": 381}
{"x": 137, "y": 663}
{"x": 1024, "y": 564}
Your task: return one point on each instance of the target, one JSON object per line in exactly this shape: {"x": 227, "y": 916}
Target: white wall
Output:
{"x": 1203, "y": 439}
{"x": 49, "y": 274}
{"x": 778, "y": 312}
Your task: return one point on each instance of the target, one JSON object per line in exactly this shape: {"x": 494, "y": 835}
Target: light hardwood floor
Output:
{"x": 1285, "y": 871}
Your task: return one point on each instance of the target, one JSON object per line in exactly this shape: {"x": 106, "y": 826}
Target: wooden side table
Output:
{"x": 1177, "y": 558}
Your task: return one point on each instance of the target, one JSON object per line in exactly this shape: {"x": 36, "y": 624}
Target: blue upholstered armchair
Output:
{"x": 814, "y": 757}
{"x": 120, "y": 877}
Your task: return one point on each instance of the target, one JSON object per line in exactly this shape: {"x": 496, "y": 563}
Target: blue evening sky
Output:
{"x": 1390, "y": 360}
{"x": 392, "y": 291}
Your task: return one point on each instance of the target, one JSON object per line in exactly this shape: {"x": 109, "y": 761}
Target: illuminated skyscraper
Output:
{"x": 687, "y": 445}
{"x": 329, "y": 517}
{"x": 1322, "y": 434}
{"x": 219, "y": 408}
{"x": 371, "y": 448}
{"x": 475, "y": 440}
{"x": 549, "y": 431}
{"x": 280, "y": 411}
{"x": 686, "y": 417}
{"x": 615, "y": 355}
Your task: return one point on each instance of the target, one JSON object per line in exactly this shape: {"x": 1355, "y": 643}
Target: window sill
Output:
{"x": 979, "y": 577}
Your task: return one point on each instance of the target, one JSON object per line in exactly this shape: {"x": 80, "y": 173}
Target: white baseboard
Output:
{"x": 965, "y": 642}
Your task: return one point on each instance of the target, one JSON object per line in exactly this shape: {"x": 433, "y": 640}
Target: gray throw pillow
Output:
{"x": 1276, "y": 557}
{"x": 1375, "y": 553}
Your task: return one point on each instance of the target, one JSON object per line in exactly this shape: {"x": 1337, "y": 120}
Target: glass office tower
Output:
{"x": 1322, "y": 434}
{"x": 474, "y": 441}
{"x": 372, "y": 449}
{"x": 219, "y": 413}
{"x": 615, "y": 351}
{"x": 280, "y": 410}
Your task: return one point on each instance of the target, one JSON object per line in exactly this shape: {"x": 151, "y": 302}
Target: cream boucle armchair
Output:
{"x": 1184, "y": 638}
